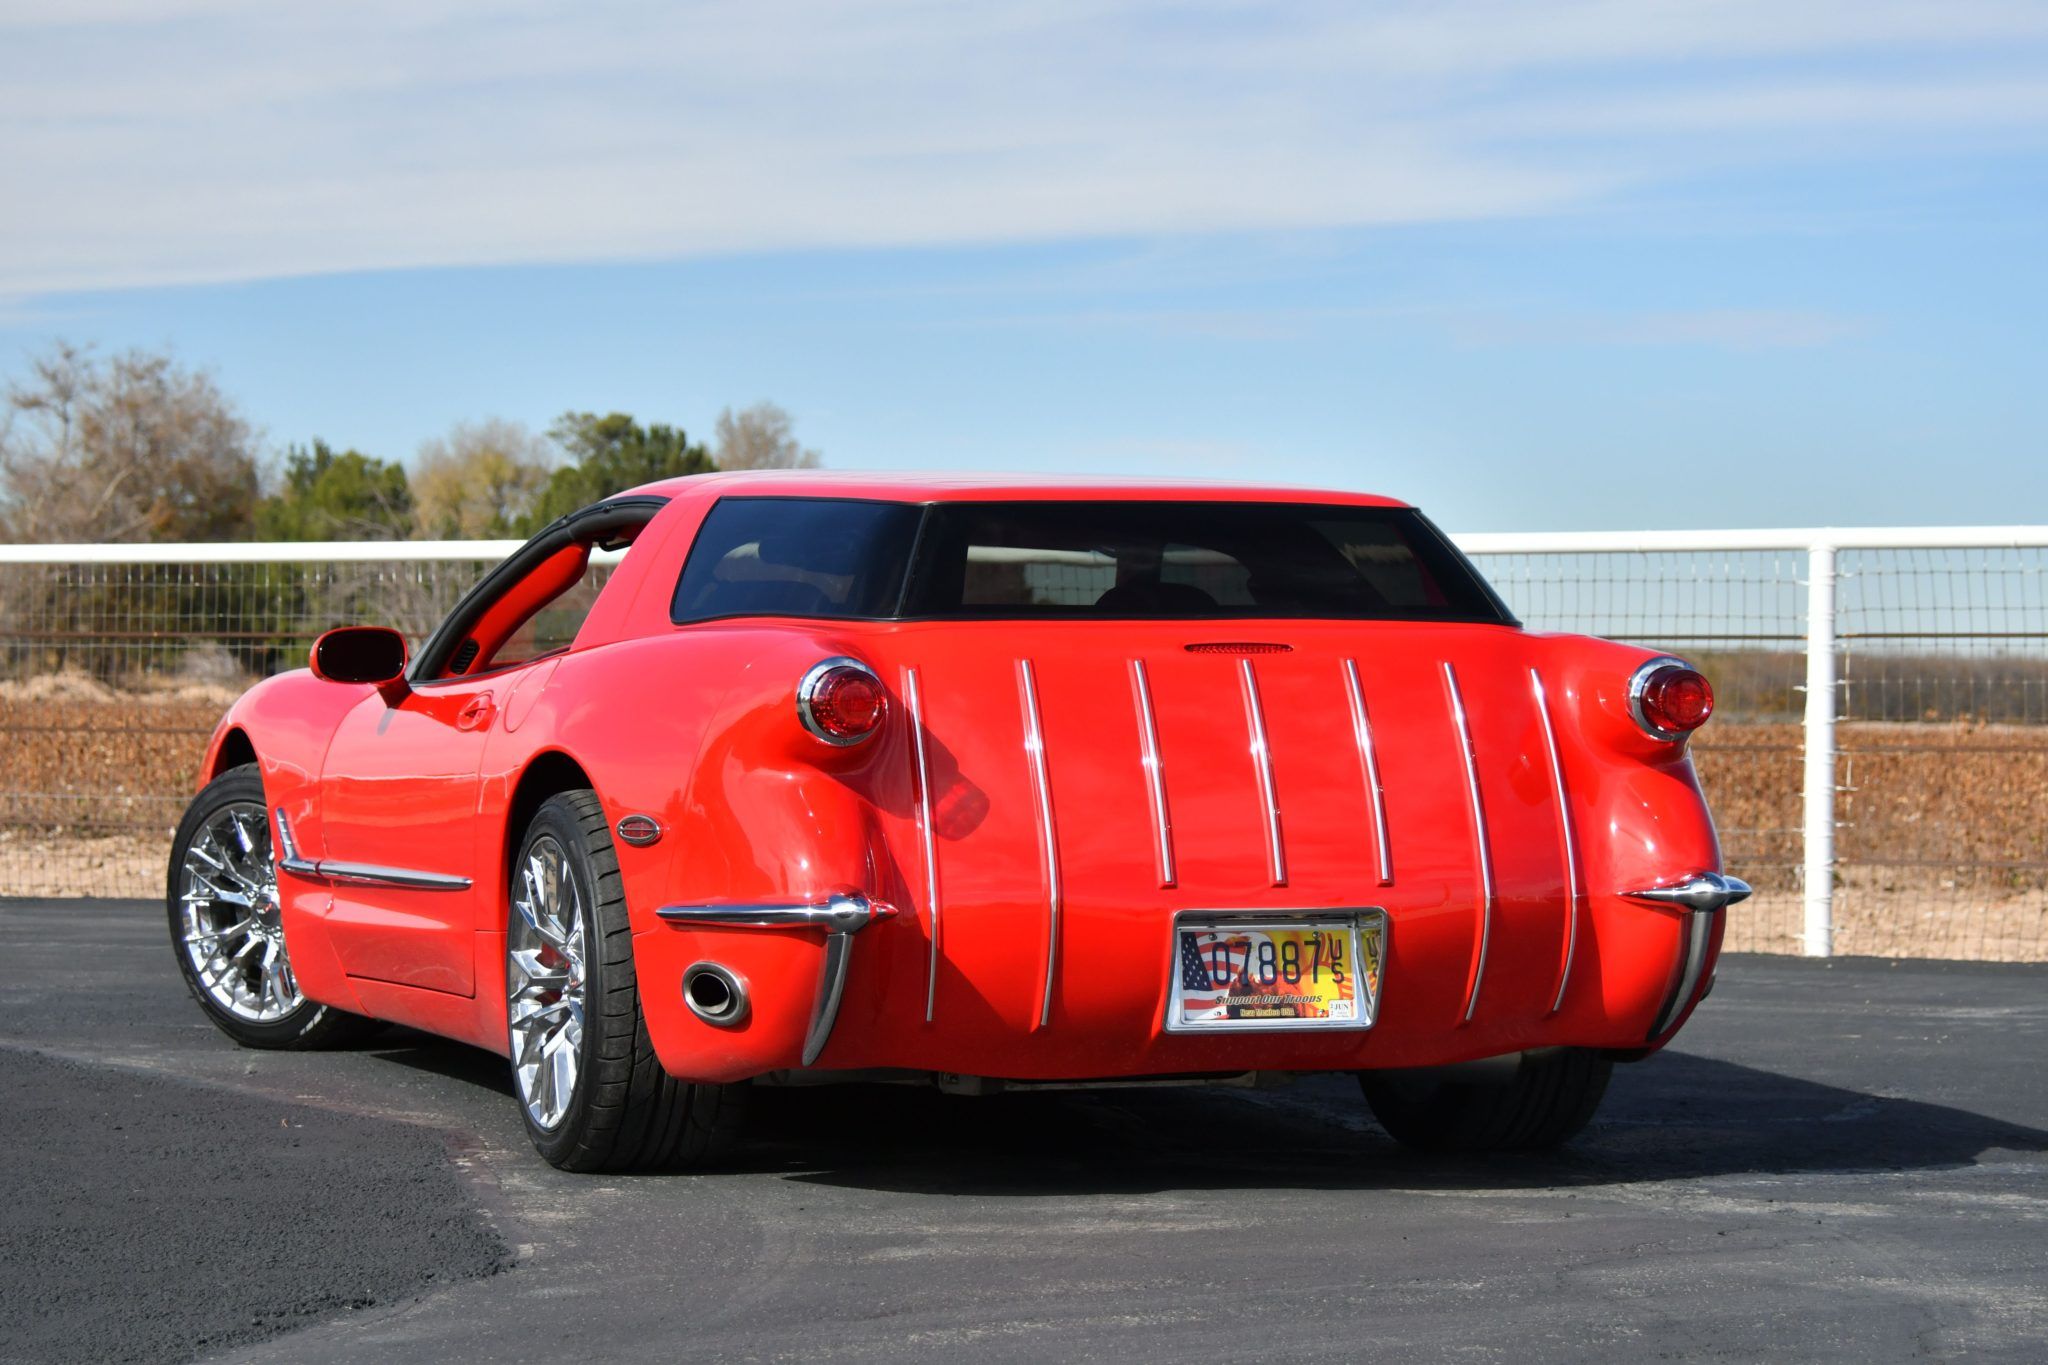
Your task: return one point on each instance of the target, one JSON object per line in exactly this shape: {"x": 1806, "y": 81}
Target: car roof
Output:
{"x": 951, "y": 487}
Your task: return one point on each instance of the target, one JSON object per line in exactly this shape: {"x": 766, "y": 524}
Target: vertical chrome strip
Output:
{"x": 1369, "y": 762}
{"x": 913, "y": 696}
{"x": 1155, "y": 773}
{"x": 1034, "y": 750}
{"x": 1485, "y": 853}
{"x": 1262, "y": 760}
{"x": 1567, "y": 833}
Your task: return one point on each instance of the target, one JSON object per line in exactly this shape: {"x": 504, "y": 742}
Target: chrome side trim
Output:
{"x": 841, "y": 916}
{"x": 843, "y": 913}
{"x": 357, "y": 874}
{"x": 1041, "y": 786}
{"x": 1262, "y": 761}
{"x": 1369, "y": 763}
{"x": 1699, "y": 931}
{"x": 1567, "y": 832}
{"x": 1155, "y": 773}
{"x": 288, "y": 859}
{"x": 1708, "y": 891}
{"x": 1482, "y": 848}
{"x": 913, "y": 697}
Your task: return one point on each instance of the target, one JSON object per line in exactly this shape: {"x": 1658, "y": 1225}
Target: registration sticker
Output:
{"x": 1276, "y": 972}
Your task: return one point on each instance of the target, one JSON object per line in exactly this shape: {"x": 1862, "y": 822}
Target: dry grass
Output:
{"x": 1943, "y": 846}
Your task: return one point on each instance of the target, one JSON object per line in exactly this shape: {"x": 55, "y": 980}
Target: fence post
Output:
{"x": 1819, "y": 841}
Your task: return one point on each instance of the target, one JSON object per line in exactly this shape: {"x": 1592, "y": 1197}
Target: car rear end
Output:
{"x": 1095, "y": 787}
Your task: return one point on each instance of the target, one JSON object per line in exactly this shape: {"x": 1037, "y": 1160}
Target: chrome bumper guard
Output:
{"x": 841, "y": 916}
{"x": 1701, "y": 897}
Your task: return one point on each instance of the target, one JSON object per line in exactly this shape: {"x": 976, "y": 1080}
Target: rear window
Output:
{"x": 1191, "y": 559}
{"x": 1073, "y": 559}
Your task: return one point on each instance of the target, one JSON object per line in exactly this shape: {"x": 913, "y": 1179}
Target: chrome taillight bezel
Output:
{"x": 808, "y": 687}
{"x": 1639, "y": 685}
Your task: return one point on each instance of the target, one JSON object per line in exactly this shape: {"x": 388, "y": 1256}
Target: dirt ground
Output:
{"x": 1942, "y": 845}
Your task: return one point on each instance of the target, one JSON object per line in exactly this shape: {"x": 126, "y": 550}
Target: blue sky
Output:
{"x": 1574, "y": 264}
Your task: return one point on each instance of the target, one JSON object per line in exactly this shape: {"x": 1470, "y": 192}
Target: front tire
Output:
{"x": 1551, "y": 1097}
{"x": 592, "y": 1092}
{"x": 222, "y": 899}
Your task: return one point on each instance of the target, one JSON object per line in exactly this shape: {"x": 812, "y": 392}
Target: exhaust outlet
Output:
{"x": 716, "y": 994}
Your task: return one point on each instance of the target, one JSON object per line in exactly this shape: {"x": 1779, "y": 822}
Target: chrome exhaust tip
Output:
{"x": 716, "y": 994}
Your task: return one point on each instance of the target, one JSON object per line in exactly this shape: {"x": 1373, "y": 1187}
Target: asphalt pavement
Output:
{"x": 1841, "y": 1159}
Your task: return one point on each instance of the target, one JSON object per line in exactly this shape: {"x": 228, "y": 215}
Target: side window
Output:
{"x": 554, "y": 626}
{"x": 814, "y": 557}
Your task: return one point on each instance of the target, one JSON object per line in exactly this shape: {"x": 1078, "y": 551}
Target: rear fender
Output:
{"x": 774, "y": 815}
{"x": 1642, "y": 822}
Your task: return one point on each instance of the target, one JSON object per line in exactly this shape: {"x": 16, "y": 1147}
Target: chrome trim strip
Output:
{"x": 913, "y": 697}
{"x": 841, "y": 916}
{"x": 844, "y": 913}
{"x": 1699, "y": 931}
{"x": 1041, "y": 784}
{"x": 831, "y": 990}
{"x": 1369, "y": 760}
{"x": 1708, "y": 891}
{"x": 1481, "y": 846}
{"x": 1155, "y": 773}
{"x": 1262, "y": 761}
{"x": 358, "y": 874}
{"x": 1567, "y": 832}
{"x": 288, "y": 858}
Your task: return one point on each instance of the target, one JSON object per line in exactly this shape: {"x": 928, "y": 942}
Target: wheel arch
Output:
{"x": 234, "y": 749}
{"x": 548, "y": 773}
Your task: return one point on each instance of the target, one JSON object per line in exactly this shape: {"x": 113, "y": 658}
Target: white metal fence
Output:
{"x": 1879, "y": 765}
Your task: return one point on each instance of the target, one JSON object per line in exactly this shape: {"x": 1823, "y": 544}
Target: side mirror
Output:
{"x": 360, "y": 654}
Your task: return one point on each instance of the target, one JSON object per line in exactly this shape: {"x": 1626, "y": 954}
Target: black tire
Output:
{"x": 625, "y": 1112}
{"x": 308, "y": 1024}
{"x": 1551, "y": 1097}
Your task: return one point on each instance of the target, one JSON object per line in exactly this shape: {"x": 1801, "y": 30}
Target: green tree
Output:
{"x": 336, "y": 495}
{"x": 607, "y": 454}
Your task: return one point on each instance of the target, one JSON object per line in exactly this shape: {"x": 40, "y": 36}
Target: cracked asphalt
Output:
{"x": 1840, "y": 1159}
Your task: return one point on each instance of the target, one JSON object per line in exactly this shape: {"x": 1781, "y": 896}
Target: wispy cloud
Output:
{"x": 1737, "y": 329}
{"x": 158, "y": 141}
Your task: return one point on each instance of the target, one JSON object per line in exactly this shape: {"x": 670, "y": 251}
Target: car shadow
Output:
{"x": 440, "y": 1057}
{"x": 1674, "y": 1117}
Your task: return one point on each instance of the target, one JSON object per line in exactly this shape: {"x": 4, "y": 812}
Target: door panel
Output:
{"x": 398, "y": 792}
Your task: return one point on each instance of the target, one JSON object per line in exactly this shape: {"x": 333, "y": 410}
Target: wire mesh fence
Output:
{"x": 113, "y": 671}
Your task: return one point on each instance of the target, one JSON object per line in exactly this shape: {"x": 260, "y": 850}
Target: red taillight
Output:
{"x": 841, "y": 701}
{"x": 1670, "y": 699}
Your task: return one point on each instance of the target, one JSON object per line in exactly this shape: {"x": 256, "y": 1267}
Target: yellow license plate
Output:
{"x": 1284, "y": 972}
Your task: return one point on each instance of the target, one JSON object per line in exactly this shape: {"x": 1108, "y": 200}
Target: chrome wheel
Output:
{"x": 228, "y": 917}
{"x": 544, "y": 981}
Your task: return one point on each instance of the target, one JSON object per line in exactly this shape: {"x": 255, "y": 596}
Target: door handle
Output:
{"x": 475, "y": 714}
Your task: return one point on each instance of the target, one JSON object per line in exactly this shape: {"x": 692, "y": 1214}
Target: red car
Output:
{"x": 971, "y": 782}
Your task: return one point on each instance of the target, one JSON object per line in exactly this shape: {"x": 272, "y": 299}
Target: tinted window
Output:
{"x": 821, "y": 557}
{"x": 1191, "y": 559}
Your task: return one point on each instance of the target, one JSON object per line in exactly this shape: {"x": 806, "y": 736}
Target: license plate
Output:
{"x": 1276, "y": 971}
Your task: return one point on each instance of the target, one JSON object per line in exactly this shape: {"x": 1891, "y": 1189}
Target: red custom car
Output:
{"x": 972, "y": 782}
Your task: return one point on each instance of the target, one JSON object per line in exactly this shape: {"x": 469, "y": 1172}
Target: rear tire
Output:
{"x": 607, "y": 1105}
{"x": 221, "y": 895}
{"x": 1550, "y": 1099}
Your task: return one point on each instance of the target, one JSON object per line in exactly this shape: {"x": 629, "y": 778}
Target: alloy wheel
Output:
{"x": 544, "y": 982}
{"x": 230, "y": 927}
